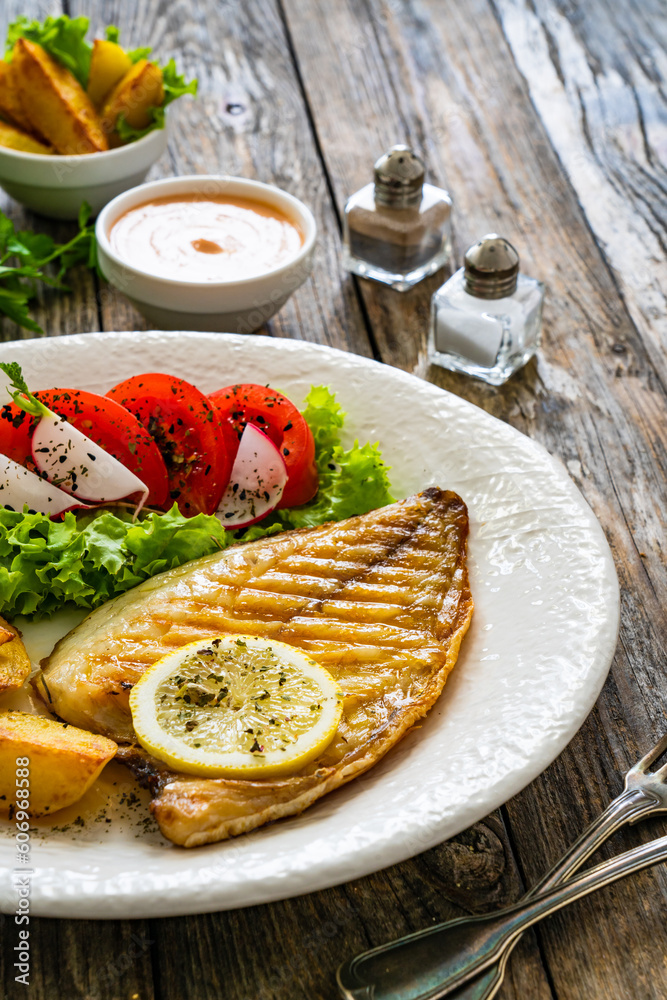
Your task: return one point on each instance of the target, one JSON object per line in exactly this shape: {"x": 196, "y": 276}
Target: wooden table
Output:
{"x": 546, "y": 121}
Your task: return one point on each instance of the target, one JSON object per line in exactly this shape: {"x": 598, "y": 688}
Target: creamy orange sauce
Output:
{"x": 219, "y": 238}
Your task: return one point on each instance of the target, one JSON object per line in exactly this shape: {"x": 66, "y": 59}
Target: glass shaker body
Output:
{"x": 489, "y": 339}
{"x": 398, "y": 246}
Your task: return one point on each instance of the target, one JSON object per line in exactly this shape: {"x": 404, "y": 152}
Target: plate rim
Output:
{"x": 369, "y": 858}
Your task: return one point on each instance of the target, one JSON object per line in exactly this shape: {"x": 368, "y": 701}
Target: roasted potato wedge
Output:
{"x": 14, "y": 661}
{"x": 54, "y": 102}
{"x": 16, "y": 138}
{"x": 11, "y": 108}
{"x": 139, "y": 90}
{"x": 108, "y": 64}
{"x": 63, "y": 762}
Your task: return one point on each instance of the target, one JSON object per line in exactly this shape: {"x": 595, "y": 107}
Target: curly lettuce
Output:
{"x": 63, "y": 37}
{"x": 175, "y": 86}
{"x": 351, "y": 481}
{"x": 84, "y": 560}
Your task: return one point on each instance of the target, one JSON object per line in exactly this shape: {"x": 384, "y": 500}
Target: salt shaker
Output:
{"x": 486, "y": 319}
{"x": 397, "y": 230}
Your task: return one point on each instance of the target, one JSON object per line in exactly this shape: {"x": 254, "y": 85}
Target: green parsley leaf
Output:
{"x": 6, "y": 232}
{"x": 31, "y": 247}
{"x": 15, "y": 305}
{"x": 33, "y": 252}
{"x": 13, "y": 370}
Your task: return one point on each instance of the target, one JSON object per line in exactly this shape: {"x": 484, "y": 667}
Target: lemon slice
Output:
{"x": 236, "y": 706}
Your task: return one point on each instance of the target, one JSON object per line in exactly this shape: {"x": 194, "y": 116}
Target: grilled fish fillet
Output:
{"x": 381, "y": 600}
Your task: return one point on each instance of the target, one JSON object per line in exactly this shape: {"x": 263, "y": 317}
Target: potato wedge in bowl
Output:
{"x": 54, "y": 102}
{"x": 133, "y": 97}
{"x": 16, "y": 138}
{"x": 108, "y": 65}
{"x": 11, "y": 108}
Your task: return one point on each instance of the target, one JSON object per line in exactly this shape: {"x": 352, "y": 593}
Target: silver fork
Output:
{"x": 477, "y": 948}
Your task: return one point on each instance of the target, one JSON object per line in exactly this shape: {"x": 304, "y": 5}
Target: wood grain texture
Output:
{"x": 547, "y": 122}
{"x": 77, "y": 959}
{"x": 596, "y": 78}
{"x": 290, "y": 950}
{"x": 443, "y": 76}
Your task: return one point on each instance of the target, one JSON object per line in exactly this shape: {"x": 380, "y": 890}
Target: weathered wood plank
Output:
{"x": 442, "y": 77}
{"x": 596, "y": 77}
{"x": 290, "y": 950}
{"x": 81, "y": 959}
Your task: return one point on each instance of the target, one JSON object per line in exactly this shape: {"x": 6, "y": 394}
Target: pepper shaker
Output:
{"x": 397, "y": 230}
{"x": 486, "y": 319}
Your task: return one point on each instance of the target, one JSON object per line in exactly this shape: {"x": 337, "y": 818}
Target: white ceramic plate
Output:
{"x": 533, "y": 663}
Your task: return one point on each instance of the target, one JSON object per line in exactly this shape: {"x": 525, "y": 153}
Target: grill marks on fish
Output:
{"x": 380, "y": 600}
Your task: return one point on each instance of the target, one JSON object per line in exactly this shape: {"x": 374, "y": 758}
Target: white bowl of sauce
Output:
{"x": 206, "y": 252}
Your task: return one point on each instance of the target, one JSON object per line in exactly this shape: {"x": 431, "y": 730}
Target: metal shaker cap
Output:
{"x": 399, "y": 177}
{"x": 491, "y": 268}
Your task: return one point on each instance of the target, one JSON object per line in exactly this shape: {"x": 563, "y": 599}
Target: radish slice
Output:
{"x": 77, "y": 465}
{"x": 19, "y": 486}
{"x": 257, "y": 481}
{"x": 69, "y": 459}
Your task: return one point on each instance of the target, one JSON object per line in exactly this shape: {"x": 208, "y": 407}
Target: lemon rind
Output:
{"x": 203, "y": 763}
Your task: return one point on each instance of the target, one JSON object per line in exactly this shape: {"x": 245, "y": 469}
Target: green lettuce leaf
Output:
{"x": 127, "y": 133}
{"x": 175, "y": 86}
{"x": 134, "y": 55}
{"x": 84, "y": 560}
{"x": 63, "y": 37}
{"x": 45, "y": 565}
{"x": 351, "y": 481}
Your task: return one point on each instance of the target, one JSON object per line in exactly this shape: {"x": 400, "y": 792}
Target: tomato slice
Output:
{"x": 184, "y": 424}
{"x": 15, "y": 434}
{"x": 104, "y": 421}
{"x": 280, "y": 419}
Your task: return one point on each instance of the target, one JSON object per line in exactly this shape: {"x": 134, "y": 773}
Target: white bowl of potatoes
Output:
{"x": 56, "y": 186}
{"x": 61, "y": 145}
